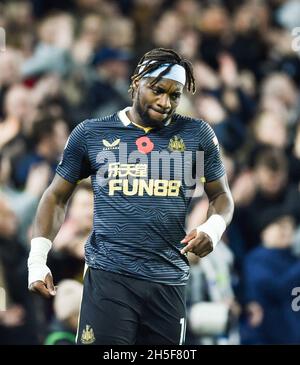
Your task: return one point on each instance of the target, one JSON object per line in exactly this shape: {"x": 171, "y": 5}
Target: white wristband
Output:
{"x": 37, "y": 268}
{"x": 214, "y": 227}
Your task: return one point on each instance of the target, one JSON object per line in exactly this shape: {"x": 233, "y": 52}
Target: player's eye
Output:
{"x": 175, "y": 96}
{"x": 156, "y": 91}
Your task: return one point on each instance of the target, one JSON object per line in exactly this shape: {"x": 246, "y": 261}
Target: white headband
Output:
{"x": 176, "y": 73}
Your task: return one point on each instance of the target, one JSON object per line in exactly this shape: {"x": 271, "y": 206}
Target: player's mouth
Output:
{"x": 158, "y": 113}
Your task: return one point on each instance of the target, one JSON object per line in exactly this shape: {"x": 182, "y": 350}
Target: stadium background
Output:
{"x": 66, "y": 61}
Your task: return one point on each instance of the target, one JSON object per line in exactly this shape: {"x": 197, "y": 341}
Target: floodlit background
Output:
{"x": 66, "y": 61}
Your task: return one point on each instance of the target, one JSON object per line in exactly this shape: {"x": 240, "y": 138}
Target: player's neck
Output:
{"x": 135, "y": 118}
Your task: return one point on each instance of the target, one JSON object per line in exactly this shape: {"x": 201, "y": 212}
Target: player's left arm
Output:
{"x": 202, "y": 240}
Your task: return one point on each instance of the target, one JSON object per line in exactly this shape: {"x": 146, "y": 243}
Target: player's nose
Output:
{"x": 164, "y": 102}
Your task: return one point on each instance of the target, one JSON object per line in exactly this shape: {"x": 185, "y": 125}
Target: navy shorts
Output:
{"x": 121, "y": 310}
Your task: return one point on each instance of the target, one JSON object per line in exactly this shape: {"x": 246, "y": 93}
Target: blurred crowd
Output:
{"x": 69, "y": 60}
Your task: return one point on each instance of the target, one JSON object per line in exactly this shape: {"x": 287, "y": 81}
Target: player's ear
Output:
{"x": 135, "y": 85}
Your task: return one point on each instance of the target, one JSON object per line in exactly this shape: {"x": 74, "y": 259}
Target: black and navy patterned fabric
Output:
{"x": 141, "y": 191}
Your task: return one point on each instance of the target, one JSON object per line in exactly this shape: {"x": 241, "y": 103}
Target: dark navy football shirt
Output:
{"x": 143, "y": 181}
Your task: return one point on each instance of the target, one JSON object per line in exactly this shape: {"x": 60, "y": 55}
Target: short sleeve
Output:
{"x": 74, "y": 165}
{"x": 213, "y": 165}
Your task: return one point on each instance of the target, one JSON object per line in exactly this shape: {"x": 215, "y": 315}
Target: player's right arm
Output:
{"x": 73, "y": 167}
{"x": 49, "y": 218}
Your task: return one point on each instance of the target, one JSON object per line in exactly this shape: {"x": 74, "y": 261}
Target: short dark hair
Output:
{"x": 43, "y": 127}
{"x": 272, "y": 158}
{"x": 157, "y": 57}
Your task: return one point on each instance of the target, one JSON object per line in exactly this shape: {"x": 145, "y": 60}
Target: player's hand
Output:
{"x": 200, "y": 244}
{"x": 45, "y": 288}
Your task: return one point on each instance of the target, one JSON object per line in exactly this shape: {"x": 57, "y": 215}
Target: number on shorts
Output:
{"x": 182, "y": 330}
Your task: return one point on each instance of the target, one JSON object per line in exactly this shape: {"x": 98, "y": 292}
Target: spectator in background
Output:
{"x": 144, "y": 15}
{"x": 248, "y": 46}
{"x": 18, "y": 323}
{"x": 294, "y": 157}
{"x": 162, "y": 37}
{"x": 48, "y": 140}
{"x": 265, "y": 125}
{"x": 90, "y": 38}
{"x": 24, "y": 203}
{"x": 119, "y": 33}
{"x": 10, "y": 62}
{"x": 52, "y": 52}
{"x": 224, "y": 102}
{"x": 272, "y": 191}
{"x": 271, "y": 272}
{"x": 108, "y": 91}
{"x": 279, "y": 94}
{"x": 62, "y": 329}
{"x": 19, "y": 112}
{"x": 214, "y": 26}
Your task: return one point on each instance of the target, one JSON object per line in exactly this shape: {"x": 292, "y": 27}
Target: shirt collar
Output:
{"x": 126, "y": 121}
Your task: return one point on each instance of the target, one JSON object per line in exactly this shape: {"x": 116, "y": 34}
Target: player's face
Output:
{"x": 155, "y": 104}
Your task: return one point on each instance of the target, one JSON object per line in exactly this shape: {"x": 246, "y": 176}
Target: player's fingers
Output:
{"x": 39, "y": 287}
{"x": 205, "y": 253}
{"x": 204, "y": 247}
{"x": 49, "y": 284}
{"x": 189, "y": 236}
{"x": 188, "y": 247}
{"x": 199, "y": 246}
